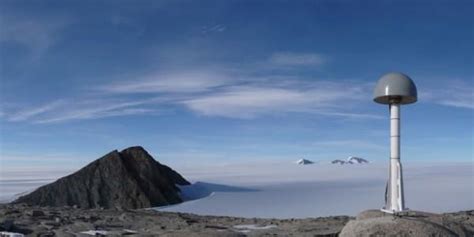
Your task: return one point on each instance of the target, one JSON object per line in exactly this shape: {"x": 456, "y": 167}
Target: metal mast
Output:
{"x": 395, "y": 89}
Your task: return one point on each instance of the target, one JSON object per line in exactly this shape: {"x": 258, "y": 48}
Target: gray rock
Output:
{"x": 143, "y": 222}
{"x": 412, "y": 223}
{"x": 36, "y": 213}
{"x": 7, "y": 225}
{"x": 128, "y": 179}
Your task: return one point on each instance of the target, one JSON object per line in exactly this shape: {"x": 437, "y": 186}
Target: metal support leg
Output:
{"x": 395, "y": 199}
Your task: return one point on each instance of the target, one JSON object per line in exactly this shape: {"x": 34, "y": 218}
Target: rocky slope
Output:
{"x": 68, "y": 221}
{"x": 128, "y": 179}
{"x": 410, "y": 223}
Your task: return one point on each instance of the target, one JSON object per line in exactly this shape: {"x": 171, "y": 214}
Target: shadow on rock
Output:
{"x": 202, "y": 189}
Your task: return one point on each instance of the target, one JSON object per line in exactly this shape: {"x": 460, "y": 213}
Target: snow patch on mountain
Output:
{"x": 304, "y": 162}
{"x": 350, "y": 160}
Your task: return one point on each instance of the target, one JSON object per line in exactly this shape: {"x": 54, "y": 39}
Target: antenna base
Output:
{"x": 393, "y": 212}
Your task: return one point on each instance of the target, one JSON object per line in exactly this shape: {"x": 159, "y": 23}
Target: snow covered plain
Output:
{"x": 288, "y": 190}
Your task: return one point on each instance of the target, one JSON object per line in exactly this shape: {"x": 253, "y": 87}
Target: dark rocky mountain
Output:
{"x": 128, "y": 179}
{"x": 351, "y": 160}
{"x": 304, "y": 162}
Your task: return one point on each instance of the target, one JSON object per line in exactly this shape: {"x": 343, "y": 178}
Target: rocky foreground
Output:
{"x": 70, "y": 221}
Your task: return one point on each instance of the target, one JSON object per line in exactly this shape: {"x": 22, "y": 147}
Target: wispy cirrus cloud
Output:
{"x": 459, "y": 97}
{"x": 66, "y": 110}
{"x": 358, "y": 144}
{"x": 297, "y": 59}
{"x": 213, "y": 28}
{"x": 456, "y": 94}
{"x": 211, "y": 92}
{"x": 251, "y": 101}
{"x": 164, "y": 82}
{"x": 26, "y": 114}
{"x": 35, "y": 33}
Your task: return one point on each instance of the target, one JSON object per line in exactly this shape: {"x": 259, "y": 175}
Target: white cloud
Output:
{"x": 253, "y": 101}
{"x": 350, "y": 115}
{"x": 297, "y": 59}
{"x": 213, "y": 28}
{"x": 210, "y": 94}
{"x": 457, "y": 94}
{"x": 459, "y": 97}
{"x": 98, "y": 109}
{"x": 223, "y": 93}
{"x": 254, "y": 98}
{"x": 184, "y": 82}
{"x": 25, "y": 114}
{"x": 245, "y": 102}
{"x": 35, "y": 33}
{"x": 66, "y": 110}
{"x": 357, "y": 144}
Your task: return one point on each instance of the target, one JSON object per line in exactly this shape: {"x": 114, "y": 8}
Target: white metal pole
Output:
{"x": 396, "y": 201}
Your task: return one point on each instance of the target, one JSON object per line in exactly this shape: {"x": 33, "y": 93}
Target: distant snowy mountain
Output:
{"x": 338, "y": 162}
{"x": 304, "y": 162}
{"x": 350, "y": 160}
{"x": 356, "y": 160}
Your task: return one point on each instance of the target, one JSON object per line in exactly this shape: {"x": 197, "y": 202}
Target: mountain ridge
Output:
{"x": 304, "y": 162}
{"x": 350, "y": 160}
{"x": 128, "y": 179}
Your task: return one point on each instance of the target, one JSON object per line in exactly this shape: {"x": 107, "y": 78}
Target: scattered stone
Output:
{"x": 49, "y": 225}
{"x": 46, "y": 234}
{"x": 10, "y": 234}
{"x": 411, "y": 223}
{"x": 7, "y": 225}
{"x": 9, "y": 212}
{"x": 74, "y": 222}
{"x": 95, "y": 232}
{"x": 36, "y": 213}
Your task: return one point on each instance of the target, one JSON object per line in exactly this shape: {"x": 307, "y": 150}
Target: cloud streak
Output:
{"x": 460, "y": 97}
{"x": 66, "y": 110}
{"x": 225, "y": 92}
{"x": 25, "y": 114}
{"x": 457, "y": 94}
{"x": 356, "y": 144}
{"x": 252, "y": 101}
{"x": 35, "y": 33}
{"x": 181, "y": 82}
{"x": 214, "y": 28}
{"x": 297, "y": 59}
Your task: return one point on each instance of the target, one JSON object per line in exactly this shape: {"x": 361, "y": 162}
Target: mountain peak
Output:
{"x": 127, "y": 179}
{"x": 304, "y": 162}
{"x": 357, "y": 160}
{"x": 135, "y": 148}
{"x": 350, "y": 160}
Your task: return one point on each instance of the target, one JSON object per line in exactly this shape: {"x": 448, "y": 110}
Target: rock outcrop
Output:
{"x": 411, "y": 223}
{"x": 128, "y": 179}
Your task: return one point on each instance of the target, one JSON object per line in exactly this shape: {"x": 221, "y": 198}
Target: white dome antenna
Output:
{"x": 395, "y": 89}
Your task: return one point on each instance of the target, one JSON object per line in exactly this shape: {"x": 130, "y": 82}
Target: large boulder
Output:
{"x": 128, "y": 179}
{"x": 410, "y": 223}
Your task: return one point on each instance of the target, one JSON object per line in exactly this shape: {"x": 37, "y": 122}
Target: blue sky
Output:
{"x": 231, "y": 81}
